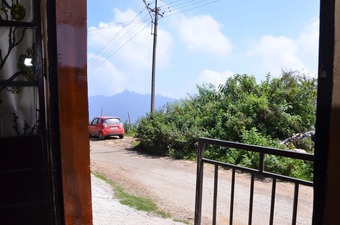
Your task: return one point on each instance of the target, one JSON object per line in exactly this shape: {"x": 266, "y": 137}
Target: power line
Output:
{"x": 171, "y": 2}
{"x": 157, "y": 13}
{"x": 111, "y": 51}
{"x": 92, "y": 63}
{"x": 126, "y": 33}
{"x": 187, "y": 6}
{"x": 134, "y": 27}
{"x": 179, "y": 3}
{"x": 188, "y": 2}
{"x": 118, "y": 41}
{"x": 156, "y": 10}
{"x": 127, "y": 23}
{"x": 123, "y": 24}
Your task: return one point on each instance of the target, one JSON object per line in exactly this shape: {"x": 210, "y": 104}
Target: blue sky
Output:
{"x": 199, "y": 41}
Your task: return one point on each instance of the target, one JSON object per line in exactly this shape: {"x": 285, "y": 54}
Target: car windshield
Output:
{"x": 112, "y": 121}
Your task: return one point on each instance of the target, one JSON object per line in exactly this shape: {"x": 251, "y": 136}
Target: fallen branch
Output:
{"x": 296, "y": 138}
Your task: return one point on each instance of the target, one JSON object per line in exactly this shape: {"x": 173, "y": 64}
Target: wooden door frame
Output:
{"x": 68, "y": 106}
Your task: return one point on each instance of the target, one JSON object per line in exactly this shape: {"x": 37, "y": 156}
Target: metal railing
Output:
{"x": 202, "y": 142}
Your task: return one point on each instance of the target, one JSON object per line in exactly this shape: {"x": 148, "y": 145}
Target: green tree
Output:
{"x": 240, "y": 110}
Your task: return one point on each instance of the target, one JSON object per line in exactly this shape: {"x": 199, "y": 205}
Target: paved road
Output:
{"x": 171, "y": 184}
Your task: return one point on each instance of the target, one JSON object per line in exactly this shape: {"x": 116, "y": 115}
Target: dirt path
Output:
{"x": 109, "y": 211}
{"x": 171, "y": 184}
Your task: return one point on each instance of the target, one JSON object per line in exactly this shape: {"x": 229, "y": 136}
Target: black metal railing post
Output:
{"x": 295, "y": 205}
{"x": 215, "y": 195}
{"x": 251, "y": 199}
{"x": 232, "y": 197}
{"x": 272, "y": 204}
{"x": 259, "y": 171}
{"x": 199, "y": 183}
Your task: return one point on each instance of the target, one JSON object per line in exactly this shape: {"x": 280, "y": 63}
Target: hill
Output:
{"x": 124, "y": 104}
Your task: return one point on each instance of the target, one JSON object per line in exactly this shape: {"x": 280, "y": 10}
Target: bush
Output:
{"x": 241, "y": 110}
{"x": 130, "y": 129}
{"x": 160, "y": 135}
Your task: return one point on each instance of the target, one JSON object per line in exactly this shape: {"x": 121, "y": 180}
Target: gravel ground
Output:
{"x": 108, "y": 211}
{"x": 171, "y": 185}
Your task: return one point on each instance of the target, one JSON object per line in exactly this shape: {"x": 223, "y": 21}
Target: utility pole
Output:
{"x": 153, "y": 74}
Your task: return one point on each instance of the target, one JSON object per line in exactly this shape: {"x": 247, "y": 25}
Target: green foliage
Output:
{"x": 130, "y": 129}
{"x": 306, "y": 144}
{"x": 241, "y": 110}
{"x": 169, "y": 132}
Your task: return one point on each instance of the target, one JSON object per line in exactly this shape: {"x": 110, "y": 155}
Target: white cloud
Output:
{"x": 308, "y": 43}
{"x": 105, "y": 79}
{"x": 164, "y": 46}
{"x": 213, "y": 77}
{"x": 125, "y": 16}
{"x": 203, "y": 33}
{"x": 309, "y": 39}
{"x": 126, "y": 51}
{"x": 122, "y": 40}
{"x": 277, "y": 53}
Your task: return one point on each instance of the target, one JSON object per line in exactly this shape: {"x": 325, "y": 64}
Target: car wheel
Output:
{"x": 101, "y": 137}
{"x": 121, "y": 136}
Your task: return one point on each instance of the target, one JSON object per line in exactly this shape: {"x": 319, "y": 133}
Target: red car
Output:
{"x": 106, "y": 126}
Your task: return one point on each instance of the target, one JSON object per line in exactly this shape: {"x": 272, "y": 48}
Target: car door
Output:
{"x": 92, "y": 127}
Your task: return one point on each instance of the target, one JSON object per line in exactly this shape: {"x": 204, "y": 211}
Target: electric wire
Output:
{"x": 132, "y": 28}
{"x": 118, "y": 40}
{"x": 133, "y": 21}
{"x": 126, "y": 34}
{"x": 187, "y": 7}
{"x": 113, "y": 26}
{"x": 110, "y": 50}
{"x": 190, "y": 2}
{"x": 127, "y": 23}
{"x": 181, "y": 3}
{"x": 96, "y": 62}
{"x": 126, "y": 31}
{"x": 173, "y": 2}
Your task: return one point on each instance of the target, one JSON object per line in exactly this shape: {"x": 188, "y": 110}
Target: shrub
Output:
{"x": 241, "y": 110}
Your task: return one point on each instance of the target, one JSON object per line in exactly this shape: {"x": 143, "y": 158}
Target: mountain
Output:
{"x": 124, "y": 105}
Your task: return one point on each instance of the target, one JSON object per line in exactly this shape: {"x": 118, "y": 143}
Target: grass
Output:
{"x": 181, "y": 221}
{"x": 135, "y": 144}
{"x": 130, "y": 130}
{"x": 140, "y": 203}
{"x": 130, "y": 133}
